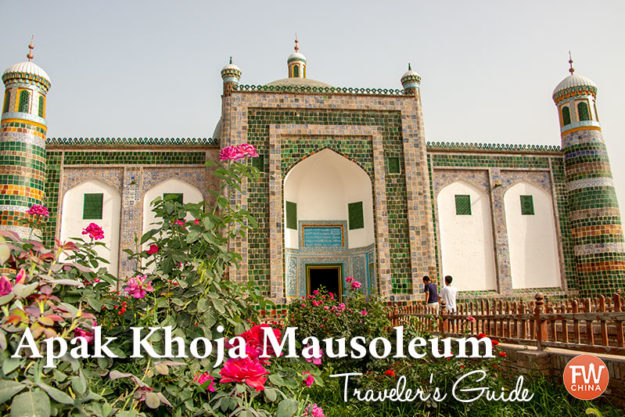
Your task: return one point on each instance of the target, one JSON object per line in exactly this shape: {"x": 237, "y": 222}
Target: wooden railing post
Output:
{"x": 541, "y": 325}
{"x": 443, "y": 322}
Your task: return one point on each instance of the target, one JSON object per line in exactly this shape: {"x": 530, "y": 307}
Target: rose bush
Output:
{"x": 181, "y": 283}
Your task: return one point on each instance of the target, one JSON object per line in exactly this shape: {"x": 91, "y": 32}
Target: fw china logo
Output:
{"x": 586, "y": 377}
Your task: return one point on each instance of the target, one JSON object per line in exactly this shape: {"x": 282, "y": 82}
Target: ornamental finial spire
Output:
{"x": 30, "y": 55}
{"x": 571, "y": 69}
{"x": 409, "y": 67}
{"x": 296, "y": 41}
{"x": 231, "y": 60}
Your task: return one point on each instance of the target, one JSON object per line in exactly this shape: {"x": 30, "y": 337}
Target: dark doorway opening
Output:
{"x": 330, "y": 277}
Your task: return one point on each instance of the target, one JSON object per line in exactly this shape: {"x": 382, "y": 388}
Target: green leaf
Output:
{"x": 287, "y": 408}
{"x": 79, "y": 384}
{"x": 271, "y": 394}
{"x": 30, "y": 404}
{"x": 193, "y": 236}
{"x": 148, "y": 235}
{"x": 25, "y": 290}
{"x": 5, "y": 299}
{"x": 219, "y": 305}
{"x": 94, "y": 303}
{"x": 161, "y": 368}
{"x": 151, "y": 400}
{"x": 276, "y": 380}
{"x": 8, "y": 389}
{"x": 10, "y": 364}
{"x": 56, "y": 394}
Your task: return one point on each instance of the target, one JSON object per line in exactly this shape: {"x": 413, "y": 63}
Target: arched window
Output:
{"x": 42, "y": 104}
{"x": 24, "y": 101}
{"x": 566, "y": 116}
{"x": 582, "y": 111}
{"x": 7, "y": 98}
{"x": 296, "y": 71}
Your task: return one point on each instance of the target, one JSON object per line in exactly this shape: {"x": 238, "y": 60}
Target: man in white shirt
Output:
{"x": 449, "y": 293}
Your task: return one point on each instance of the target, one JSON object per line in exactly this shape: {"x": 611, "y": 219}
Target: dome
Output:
{"x": 299, "y": 82}
{"x": 231, "y": 67}
{"x": 296, "y": 56}
{"x": 231, "y": 72}
{"x": 27, "y": 67}
{"x": 574, "y": 80}
{"x": 410, "y": 79}
{"x": 217, "y": 131}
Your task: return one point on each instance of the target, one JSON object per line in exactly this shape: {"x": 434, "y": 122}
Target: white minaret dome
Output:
{"x": 27, "y": 67}
{"x": 574, "y": 80}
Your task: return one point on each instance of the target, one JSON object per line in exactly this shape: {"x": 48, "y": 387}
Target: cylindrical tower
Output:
{"x": 22, "y": 143}
{"x": 594, "y": 216}
{"x": 410, "y": 81}
{"x": 296, "y": 63}
{"x": 230, "y": 74}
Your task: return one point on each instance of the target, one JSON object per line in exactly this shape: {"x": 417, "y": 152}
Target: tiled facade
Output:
{"x": 369, "y": 127}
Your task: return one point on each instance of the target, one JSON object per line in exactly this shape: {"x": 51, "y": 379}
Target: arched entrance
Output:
{"x": 328, "y": 225}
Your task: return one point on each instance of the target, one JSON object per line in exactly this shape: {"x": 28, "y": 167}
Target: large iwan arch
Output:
{"x": 466, "y": 237}
{"x": 328, "y": 224}
{"x": 532, "y": 237}
{"x": 94, "y": 202}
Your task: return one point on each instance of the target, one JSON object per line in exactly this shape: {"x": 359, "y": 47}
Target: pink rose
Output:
{"x": 137, "y": 287}
{"x": 247, "y": 150}
{"x": 153, "y": 249}
{"x": 349, "y": 279}
{"x": 202, "y": 378}
{"x": 94, "y": 231}
{"x": 88, "y": 336}
{"x": 244, "y": 370}
{"x": 355, "y": 285}
{"x": 364, "y": 312}
{"x": 37, "y": 210}
{"x": 313, "y": 411}
{"x": 309, "y": 380}
{"x": 5, "y": 286}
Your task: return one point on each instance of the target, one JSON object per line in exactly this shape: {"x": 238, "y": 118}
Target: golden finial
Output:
{"x": 296, "y": 41}
{"x": 571, "y": 69}
{"x": 30, "y": 55}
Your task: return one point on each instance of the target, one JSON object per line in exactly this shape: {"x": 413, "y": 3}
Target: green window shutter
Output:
{"x": 356, "y": 216}
{"x": 24, "y": 101}
{"x": 41, "y": 104}
{"x": 177, "y": 197}
{"x": 92, "y": 207}
{"x": 527, "y": 205}
{"x": 296, "y": 71}
{"x": 582, "y": 111}
{"x": 258, "y": 162}
{"x": 7, "y": 99}
{"x": 393, "y": 166}
{"x": 463, "y": 205}
{"x": 566, "y": 116}
{"x": 291, "y": 215}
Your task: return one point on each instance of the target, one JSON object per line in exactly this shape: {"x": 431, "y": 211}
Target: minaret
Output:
{"x": 296, "y": 63}
{"x": 230, "y": 74}
{"x": 410, "y": 81}
{"x": 594, "y": 216}
{"x": 22, "y": 143}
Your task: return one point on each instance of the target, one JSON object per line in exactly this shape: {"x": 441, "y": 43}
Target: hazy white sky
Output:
{"x": 151, "y": 68}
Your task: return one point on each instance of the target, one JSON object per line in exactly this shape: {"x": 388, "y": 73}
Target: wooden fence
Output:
{"x": 589, "y": 325}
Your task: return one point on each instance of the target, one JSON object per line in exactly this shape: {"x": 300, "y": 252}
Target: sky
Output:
{"x": 151, "y": 68}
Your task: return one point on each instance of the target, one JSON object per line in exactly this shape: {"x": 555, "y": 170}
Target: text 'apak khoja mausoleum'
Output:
{"x": 348, "y": 187}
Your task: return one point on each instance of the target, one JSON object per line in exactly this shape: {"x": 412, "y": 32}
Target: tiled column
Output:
{"x": 500, "y": 232}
